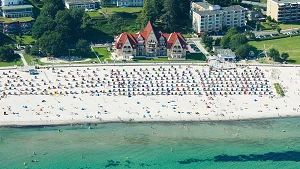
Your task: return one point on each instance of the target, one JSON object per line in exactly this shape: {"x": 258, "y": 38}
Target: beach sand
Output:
{"x": 73, "y": 95}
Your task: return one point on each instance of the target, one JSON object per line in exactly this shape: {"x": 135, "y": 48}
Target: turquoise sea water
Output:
{"x": 228, "y": 144}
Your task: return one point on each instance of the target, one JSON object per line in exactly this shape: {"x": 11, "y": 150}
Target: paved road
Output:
{"x": 255, "y": 3}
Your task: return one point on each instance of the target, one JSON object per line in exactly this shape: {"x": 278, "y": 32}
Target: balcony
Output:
{"x": 151, "y": 43}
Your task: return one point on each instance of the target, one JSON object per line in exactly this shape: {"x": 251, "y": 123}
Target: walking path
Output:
{"x": 23, "y": 59}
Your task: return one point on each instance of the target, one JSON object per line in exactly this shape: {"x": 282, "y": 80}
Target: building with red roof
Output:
{"x": 150, "y": 44}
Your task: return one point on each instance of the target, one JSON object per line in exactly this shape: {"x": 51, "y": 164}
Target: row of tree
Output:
{"x": 57, "y": 29}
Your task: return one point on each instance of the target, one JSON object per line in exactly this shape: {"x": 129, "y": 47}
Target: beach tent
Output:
{"x": 208, "y": 107}
{"x": 43, "y": 101}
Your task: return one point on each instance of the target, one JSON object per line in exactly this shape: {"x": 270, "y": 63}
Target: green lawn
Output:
{"x": 102, "y": 53}
{"x": 289, "y": 45}
{"x": 94, "y": 14}
{"x": 26, "y": 40}
{"x": 289, "y": 26}
{"x": 127, "y": 9}
{"x": 16, "y": 60}
{"x": 10, "y": 20}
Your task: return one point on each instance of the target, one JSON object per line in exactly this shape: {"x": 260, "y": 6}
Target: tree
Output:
{"x": 237, "y": 40}
{"x": 274, "y": 54}
{"x": 284, "y": 56}
{"x": 52, "y": 43}
{"x": 6, "y": 52}
{"x": 49, "y": 10}
{"x": 35, "y": 49}
{"x": 41, "y": 25}
{"x": 269, "y": 19}
{"x": 278, "y": 28}
{"x": 218, "y": 41}
{"x": 83, "y": 48}
{"x": 27, "y": 49}
{"x": 149, "y": 12}
{"x": 63, "y": 17}
{"x": 169, "y": 16}
{"x": 225, "y": 42}
{"x": 58, "y": 3}
{"x": 243, "y": 51}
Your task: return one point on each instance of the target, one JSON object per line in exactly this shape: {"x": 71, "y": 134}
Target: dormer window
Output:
{"x": 120, "y": 45}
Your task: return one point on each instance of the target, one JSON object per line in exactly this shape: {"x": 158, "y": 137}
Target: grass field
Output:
{"x": 289, "y": 45}
{"x": 15, "y": 60}
{"x": 10, "y": 20}
{"x": 102, "y": 53}
{"x": 94, "y": 14}
{"x": 26, "y": 40}
{"x": 289, "y": 26}
{"x": 128, "y": 10}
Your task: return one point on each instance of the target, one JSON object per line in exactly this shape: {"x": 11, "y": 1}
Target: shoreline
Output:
{"x": 93, "y": 123}
{"x": 155, "y": 93}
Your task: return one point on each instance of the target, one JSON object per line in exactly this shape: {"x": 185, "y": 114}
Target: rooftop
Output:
{"x": 226, "y": 53}
{"x": 287, "y": 1}
{"x": 203, "y": 4}
{"x": 231, "y": 8}
{"x": 12, "y": 7}
{"x": 11, "y": 20}
{"x": 80, "y": 1}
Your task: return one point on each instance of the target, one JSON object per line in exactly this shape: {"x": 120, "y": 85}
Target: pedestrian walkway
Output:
{"x": 23, "y": 59}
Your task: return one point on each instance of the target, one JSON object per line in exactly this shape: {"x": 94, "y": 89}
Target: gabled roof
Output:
{"x": 170, "y": 39}
{"x": 121, "y": 39}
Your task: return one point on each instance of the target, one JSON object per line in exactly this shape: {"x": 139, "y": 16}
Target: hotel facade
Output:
{"x": 284, "y": 11}
{"x": 150, "y": 44}
{"x": 210, "y": 18}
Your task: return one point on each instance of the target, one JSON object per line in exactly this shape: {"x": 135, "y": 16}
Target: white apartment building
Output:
{"x": 15, "y": 9}
{"x": 210, "y": 18}
{"x": 82, "y": 4}
{"x": 284, "y": 10}
{"x": 123, "y": 3}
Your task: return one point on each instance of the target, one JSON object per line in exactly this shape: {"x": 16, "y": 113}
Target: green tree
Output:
{"x": 237, "y": 40}
{"x": 218, "y": 41}
{"x": 225, "y": 42}
{"x": 58, "y": 3}
{"x": 35, "y": 49}
{"x": 63, "y": 17}
{"x": 243, "y": 51}
{"x": 41, "y": 25}
{"x": 49, "y": 10}
{"x": 52, "y": 43}
{"x": 83, "y": 48}
{"x": 284, "y": 56}
{"x": 274, "y": 54}
{"x": 27, "y": 49}
{"x": 278, "y": 29}
{"x": 65, "y": 32}
{"x": 148, "y": 12}
{"x": 169, "y": 15}
{"x": 6, "y": 52}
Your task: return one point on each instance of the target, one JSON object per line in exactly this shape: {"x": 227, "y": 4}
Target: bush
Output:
{"x": 279, "y": 89}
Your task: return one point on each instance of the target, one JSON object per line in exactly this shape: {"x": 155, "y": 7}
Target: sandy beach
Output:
{"x": 73, "y": 95}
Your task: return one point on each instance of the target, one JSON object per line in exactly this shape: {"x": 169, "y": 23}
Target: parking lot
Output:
{"x": 270, "y": 35}
{"x": 192, "y": 48}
